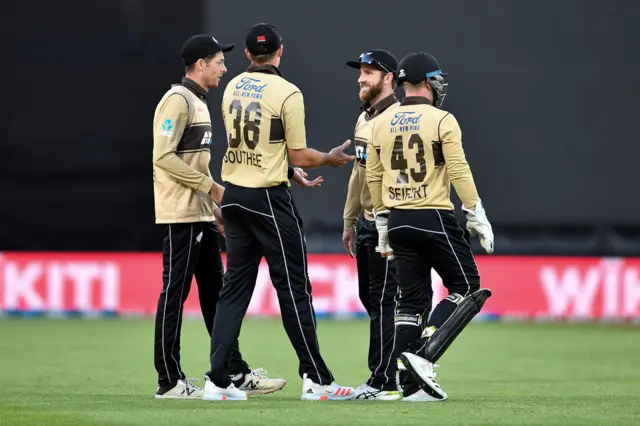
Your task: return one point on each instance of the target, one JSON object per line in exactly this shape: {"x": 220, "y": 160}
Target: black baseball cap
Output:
{"x": 379, "y": 58}
{"x": 200, "y": 46}
{"x": 263, "y": 39}
{"x": 418, "y": 67}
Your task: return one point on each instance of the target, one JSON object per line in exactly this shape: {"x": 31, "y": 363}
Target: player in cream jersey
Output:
{"x": 417, "y": 155}
{"x": 259, "y": 108}
{"x": 264, "y": 121}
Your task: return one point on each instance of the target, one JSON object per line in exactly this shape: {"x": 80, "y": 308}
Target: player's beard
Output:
{"x": 371, "y": 91}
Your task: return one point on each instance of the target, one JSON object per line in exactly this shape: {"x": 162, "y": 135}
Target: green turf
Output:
{"x": 100, "y": 372}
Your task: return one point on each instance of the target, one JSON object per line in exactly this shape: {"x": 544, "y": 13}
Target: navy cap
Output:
{"x": 418, "y": 67}
{"x": 379, "y": 58}
{"x": 200, "y": 46}
{"x": 263, "y": 39}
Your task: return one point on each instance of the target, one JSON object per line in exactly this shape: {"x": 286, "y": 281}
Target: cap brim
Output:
{"x": 442, "y": 74}
{"x": 353, "y": 64}
{"x": 226, "y": 47}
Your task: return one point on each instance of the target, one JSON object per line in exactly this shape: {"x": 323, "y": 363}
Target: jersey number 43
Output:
{"x": 399, "y": 162}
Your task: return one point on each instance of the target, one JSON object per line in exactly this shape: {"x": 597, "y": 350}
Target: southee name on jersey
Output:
{"x": 243, "y": 157}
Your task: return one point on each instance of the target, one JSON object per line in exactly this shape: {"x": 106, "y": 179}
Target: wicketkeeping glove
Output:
{"x": 478, "y": 225}
{"x": 383, "y": 238}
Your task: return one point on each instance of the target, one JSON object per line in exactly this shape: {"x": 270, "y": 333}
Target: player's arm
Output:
{"x": 457, "y": 165}
{"x": 165, "y": 145}
{"x": 295, "y": 134}
{"x": 462, "y": 180}
{"x": 352, "y": 206}
{"x": 375, "y": 171}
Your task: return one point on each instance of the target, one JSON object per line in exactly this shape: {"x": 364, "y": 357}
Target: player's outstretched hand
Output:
{"x": 337, "y": 157}
{"x": 300, "y": 177}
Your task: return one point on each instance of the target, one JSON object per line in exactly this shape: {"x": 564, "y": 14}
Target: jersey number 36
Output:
{"x": 250, "y": 131}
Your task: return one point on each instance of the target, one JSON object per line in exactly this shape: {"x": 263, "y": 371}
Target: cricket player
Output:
{"x": 376, "y": 274}
{"x": 186, "y": 202}
{"x": 264, "y": 119}
{"x": 417, "y": 156}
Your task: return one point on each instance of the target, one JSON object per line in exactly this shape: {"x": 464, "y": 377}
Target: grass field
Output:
{"x": 100, "y": 372}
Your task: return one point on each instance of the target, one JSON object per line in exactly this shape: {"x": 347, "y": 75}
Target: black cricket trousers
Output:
{"x": 378, "y": 290}
{"x": 422, "y": 240}
{"x": 188, "y": 249}
{"x": 265, "y": 222}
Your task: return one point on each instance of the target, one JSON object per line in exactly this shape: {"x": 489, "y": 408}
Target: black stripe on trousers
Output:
{"x": 178, "y": 263}
{"x": 426, "y": 239}
{"x": 303, "y": 250}
{"x": 362, "y": 263}
{"x": 429, "y": 238}
{"x": 264, "y": 222}
{"x": 188, "y": 249}
{"x": 381, "y": 288}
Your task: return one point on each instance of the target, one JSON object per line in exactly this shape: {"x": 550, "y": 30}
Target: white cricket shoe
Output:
{"x": 398, "y": 370}
{"x": 257, "y": 383}
{"x": 214, "y": 393}
{"x": 421, "y": 396}
{"x": 184, "y": 389}
{"x": 422, "y": 371}
{"x": 314, "y": 392}
{"x": 369, "y": 393}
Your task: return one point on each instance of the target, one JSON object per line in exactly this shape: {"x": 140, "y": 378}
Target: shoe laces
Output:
{"x": 430, "y": 369}
{"x": 433, "y": 369}
{"x": 259, "y": 373}
{"x": 190, "y": 385}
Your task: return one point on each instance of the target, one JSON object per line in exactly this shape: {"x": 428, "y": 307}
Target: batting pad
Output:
{"x": 464, "y": 313}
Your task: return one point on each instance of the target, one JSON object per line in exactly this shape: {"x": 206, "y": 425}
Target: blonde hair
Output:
{"x": 263, "y": 59}
{"x": 414, "y": 87}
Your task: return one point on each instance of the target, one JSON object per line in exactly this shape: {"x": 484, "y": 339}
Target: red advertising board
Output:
{"x": 527, "y": 287}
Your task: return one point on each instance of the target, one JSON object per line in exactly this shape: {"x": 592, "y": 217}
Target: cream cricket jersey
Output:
{"x": 263, "y": 116}
{"x": 417, "y": 156}
{"x": 181, "y": 155}
{"x": 358, "y": 196}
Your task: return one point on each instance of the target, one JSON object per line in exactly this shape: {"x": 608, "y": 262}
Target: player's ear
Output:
{"x": 389, "y": 78}
{"x": 280, "y": 50}
{"x": 200, "y": 64}
{"x": 246, "y": 52}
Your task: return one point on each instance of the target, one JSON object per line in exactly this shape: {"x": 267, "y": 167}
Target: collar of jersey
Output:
{"x": 415, "y": 100}
{"x": 265, "y": 69}
{"x": 373, "y": 110}
{"x": 194, "y": 87}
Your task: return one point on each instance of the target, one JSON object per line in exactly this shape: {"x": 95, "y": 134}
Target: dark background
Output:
{"x": 545, "y": 92}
